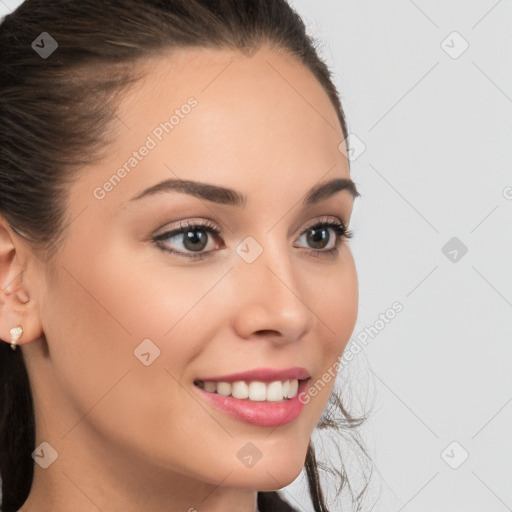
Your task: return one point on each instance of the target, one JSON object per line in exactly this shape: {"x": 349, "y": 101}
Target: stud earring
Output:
{"x": 16, "y": 333}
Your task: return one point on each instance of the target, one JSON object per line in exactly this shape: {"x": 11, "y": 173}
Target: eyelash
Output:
{"x": 341, "y": 231}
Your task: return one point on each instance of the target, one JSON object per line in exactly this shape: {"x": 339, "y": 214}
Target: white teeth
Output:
{"x": 240, "y": 390}
{"x": 286, "y": 388}
{"x": 294, "y": 386}
{"x": 224, "y": 388}
{"x": 275, "y": 391}
{"x": 256, "y": 391}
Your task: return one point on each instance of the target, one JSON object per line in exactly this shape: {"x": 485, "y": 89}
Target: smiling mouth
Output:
{"x": 254, "y": 391}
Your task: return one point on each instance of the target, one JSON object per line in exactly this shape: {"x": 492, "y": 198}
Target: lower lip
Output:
{"x": 262, "y": 414}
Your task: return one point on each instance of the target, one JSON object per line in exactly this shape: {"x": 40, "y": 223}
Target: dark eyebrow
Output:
{"x": 231, "y": 197}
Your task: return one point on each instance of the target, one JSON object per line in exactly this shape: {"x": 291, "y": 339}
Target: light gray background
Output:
{"x": 437, "y": 131}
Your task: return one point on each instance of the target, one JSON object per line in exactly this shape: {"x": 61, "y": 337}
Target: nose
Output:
{"x": 272, "y": 299}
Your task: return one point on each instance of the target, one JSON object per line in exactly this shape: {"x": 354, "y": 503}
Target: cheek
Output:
{"x": 337, "y": 314}
{"x": 95, "y": 323}
{"x": 99, "y": 308}
{"x": 137, "y": 294}
{"x": 337, "y": 306}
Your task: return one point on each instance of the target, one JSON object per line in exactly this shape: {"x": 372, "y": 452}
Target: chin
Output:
{"x": 277, "y": 480}
{"x": 270, "y": 476}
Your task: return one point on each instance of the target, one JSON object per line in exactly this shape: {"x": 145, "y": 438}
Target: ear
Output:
{"x": 18, "y": 303}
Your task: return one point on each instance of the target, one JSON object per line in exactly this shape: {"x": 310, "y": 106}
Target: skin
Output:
{"x": 133, "y": 437}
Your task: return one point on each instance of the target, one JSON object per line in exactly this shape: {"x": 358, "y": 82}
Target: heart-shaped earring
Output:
{"x": 16, "y": 333}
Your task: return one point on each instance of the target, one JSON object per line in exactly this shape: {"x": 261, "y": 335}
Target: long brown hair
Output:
{"x": 56, "y": 110}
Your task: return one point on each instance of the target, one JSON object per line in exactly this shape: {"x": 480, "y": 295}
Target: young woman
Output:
{"x": 177, "y": 287}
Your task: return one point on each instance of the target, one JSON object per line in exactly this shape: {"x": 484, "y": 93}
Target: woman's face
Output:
{"x": 130, "y": 323}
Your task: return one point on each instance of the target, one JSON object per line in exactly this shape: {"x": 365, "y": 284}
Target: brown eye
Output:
{"x": 320, "y": 238}
{"x": 191, "y": 238}
{"x": 317, "y": 238}
{"x": 195, "y": 240}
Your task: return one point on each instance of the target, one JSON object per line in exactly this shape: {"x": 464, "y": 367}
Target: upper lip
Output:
{"x": 262, "y": 374}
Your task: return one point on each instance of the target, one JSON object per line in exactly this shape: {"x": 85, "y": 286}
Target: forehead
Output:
{"x": 256, "y": 99}
{"x": 221, "y": 117}
{"x": 269, "y": 78}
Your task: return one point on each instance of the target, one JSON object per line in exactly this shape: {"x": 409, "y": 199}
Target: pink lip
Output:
{"x": 263, "y": 375}
{"x": 262, "y": 414}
